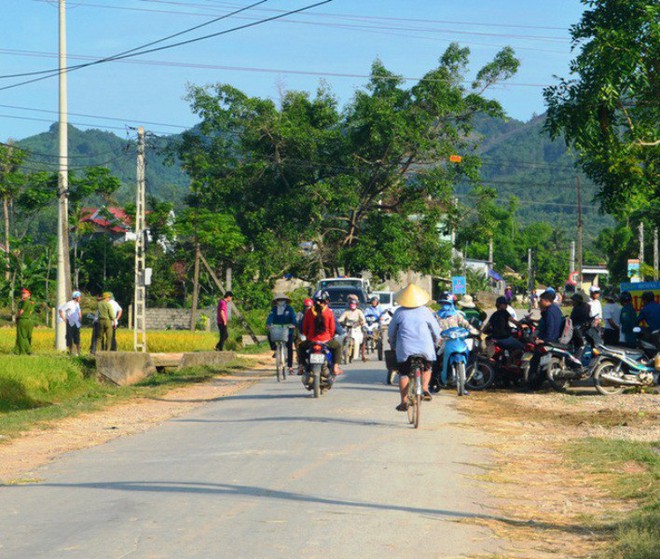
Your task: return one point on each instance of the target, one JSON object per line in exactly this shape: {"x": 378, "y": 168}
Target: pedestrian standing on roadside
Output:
{"x": 627, "y": 337}
{"x": 95, "y": 328}
{"x": 24, "y": 324}
{"x": 106, "y": 319}
{"x": 223, "y": 319}
{"x": 611, "y": 320}
{"x": 70, "y": 314}
{"x": 115, "y": 322}
{"x": 596, "y": 306}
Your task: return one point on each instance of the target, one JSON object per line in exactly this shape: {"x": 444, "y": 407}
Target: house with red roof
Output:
{"x": 111, "y": 221}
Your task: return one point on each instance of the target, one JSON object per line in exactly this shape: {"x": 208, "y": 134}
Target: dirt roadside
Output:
{"x": 545, "y": 505}
{"x": 20, "y": 457}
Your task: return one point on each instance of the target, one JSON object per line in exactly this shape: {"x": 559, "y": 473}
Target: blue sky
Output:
{"x": 330, "y": 42}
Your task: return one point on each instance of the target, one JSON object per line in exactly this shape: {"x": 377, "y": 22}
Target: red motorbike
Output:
{"x": 511, "y": 371}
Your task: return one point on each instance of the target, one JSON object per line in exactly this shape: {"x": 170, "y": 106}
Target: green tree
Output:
{"x": 609, "y": 111}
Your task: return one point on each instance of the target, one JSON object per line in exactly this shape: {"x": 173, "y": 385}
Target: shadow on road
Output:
{"x": 302, "y": 418}
{"x": 225, "y": 489}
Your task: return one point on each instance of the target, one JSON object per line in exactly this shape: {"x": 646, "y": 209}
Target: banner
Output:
{"x": 637, "y": 288}
{"x": 633, "y": 270}
{"x": 458, "y": 286}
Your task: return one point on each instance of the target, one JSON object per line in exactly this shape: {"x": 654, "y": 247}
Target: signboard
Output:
{"x": 458, "y": 285}
{"x": 633, "y": 270}
{"x": 637, "y": 288}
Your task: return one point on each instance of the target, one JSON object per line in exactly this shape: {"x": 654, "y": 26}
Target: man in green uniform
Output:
{"x": 106, "y": 319}
{"x": 24, "y": 324}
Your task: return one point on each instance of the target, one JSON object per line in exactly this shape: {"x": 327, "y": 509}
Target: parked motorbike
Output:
{"x": 459, "y": 352}
{"x": 317, "y": 372}
{"x": 510, "y": 371}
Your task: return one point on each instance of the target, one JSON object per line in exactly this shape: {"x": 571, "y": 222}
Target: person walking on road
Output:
{"x": 222, "y": 319}
{"x": 413, "y": 330}
{"x": 115, "y": 323}
{"x": 71, "y": 315}
{"x": 24, "y": 324}
{"x": 106, "y": 314}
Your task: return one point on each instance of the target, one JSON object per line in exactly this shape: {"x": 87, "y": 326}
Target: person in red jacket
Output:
{"x": 319, "y": 326}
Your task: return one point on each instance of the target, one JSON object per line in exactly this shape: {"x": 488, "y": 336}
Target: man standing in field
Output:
{"x": 106, "y": 320}
{"x": 223, "y": 319}
{"x": 24, "y": 324}
{"x": 71, "y": 315}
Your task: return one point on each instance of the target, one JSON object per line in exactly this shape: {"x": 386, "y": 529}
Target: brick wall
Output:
{"x": 175, "y": 319}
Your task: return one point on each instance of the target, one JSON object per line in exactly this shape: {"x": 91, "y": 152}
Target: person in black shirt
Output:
{"x": 581, "y": 310}
{"x": 499, "y": 327}
{"x": 582, "y": 324}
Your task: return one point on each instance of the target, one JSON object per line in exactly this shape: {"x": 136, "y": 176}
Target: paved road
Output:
{"x": 266, "y": 473}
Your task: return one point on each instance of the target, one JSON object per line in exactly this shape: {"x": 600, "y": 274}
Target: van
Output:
{"x": 360, "y": 283}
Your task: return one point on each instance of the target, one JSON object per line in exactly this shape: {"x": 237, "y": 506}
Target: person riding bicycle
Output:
{"x": 413, "y": 331}
{"x": 282, "y": 314}
{"x": 354, "y": 315}
{"x": 319, "y": 327}
{"x": 448, "y": 317}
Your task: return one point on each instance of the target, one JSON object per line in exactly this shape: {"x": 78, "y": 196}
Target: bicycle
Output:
{"x": 414, "y": 397}
{"x": 279, "y": 335}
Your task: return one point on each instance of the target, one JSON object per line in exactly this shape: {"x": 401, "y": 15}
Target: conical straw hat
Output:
{"x": 412, "y": 297}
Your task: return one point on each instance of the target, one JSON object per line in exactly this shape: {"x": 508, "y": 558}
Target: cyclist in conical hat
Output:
{"x": 413, "y": 331}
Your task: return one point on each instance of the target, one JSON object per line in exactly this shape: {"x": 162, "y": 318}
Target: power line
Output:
{"x": 173, "y": 45}
{"x": 190, "y": 29}
{"x": 321, "y": 73}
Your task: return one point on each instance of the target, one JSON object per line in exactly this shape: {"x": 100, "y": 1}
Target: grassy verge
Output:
{"x": 38, "y": 389}
{"x": 629, "y": 470}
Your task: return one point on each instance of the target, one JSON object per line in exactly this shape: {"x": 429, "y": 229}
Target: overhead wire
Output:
{"x": 170, "y": 46}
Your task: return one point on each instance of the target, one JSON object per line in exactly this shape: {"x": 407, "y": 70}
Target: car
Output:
{"x": 339, "y": 298}
{"x": 360, "y": 283}
{"x": 386, "y": 299}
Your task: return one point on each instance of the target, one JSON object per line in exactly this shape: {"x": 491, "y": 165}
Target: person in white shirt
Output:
{"x": 611, "y": 321}
{"x": 71, "y": 314}
{"x": 596, "y": 309}
{"x": 118, "y": 313}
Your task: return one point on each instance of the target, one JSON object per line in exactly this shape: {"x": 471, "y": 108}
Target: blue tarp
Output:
{"x": 493, "y": 274}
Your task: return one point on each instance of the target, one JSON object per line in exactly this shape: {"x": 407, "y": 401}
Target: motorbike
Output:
{"x": 372, "y": 335}
{"x": 317, "y": 373}
{"x": 508, "y": 371}
{"x": 457, "y": 348}
{"x": 352, "y": 341}
{"x": 620, "y": 368}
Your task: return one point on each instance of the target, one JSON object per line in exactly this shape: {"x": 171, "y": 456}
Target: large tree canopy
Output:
{"x": 609, "y": 110}
{"x": 373, "y": 178}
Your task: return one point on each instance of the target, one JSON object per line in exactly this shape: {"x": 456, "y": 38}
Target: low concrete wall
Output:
{"x": 201, "y": 358}
{"x": 123, "y": 368}
{"x": 176, "y": 319}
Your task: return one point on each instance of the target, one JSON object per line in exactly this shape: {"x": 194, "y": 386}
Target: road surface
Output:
{"x": 266, "y": 473}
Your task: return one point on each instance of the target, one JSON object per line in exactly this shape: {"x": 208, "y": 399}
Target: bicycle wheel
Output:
{"x": 418, "y": 397}
{"x": 411, "y": 399}
{"x": 278, "y": 361}
{"x": 460, "y": 378}
{"x": 283, "y": 357}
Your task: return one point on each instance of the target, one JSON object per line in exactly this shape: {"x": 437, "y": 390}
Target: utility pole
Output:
{"x": 140, "y": 297}
{"x": 571, "y": 264}
{"x": 195, "y": 299}
{"x": 579, "y": 234}
{"x": 655, "y": 254}
{"x": 530, "y": 280}
{"x": 63, "y": 279}
{"x": 490, "y": 253}
{"x": 641, "y": 250}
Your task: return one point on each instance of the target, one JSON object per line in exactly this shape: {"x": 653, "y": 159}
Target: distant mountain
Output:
{"x": 95, "y": 147}
{"x": 518, "y": 159}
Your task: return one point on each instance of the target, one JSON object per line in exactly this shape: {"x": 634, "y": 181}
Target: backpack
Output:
{"x": 566, "y": 331}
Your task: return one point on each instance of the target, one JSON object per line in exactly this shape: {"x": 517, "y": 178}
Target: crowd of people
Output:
{"x": 105, "y": 323}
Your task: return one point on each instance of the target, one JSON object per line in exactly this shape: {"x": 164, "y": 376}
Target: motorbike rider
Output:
{"x": 582, "y": 324}
{"x": 413, "y": 331}
{"x": 356, "y": 316}
{"x": 627, "y": 337}
{"x": 319, "y": 327}
{"x": 282, "y": 314}
{"x": 374, "y": 309}
{"x": 469, "y": 308}
{"x": 448, "y": 317}
{"x": 650, "y": 311}
{"x": 549, "y": 330}
{"x": 499, "y": 326}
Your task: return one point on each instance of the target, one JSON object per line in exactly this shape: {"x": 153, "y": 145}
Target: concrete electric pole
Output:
{"x": 655, "y": 254}
{"x": 141, "y": 280}
{"x": 63, "y": 279}
{"x": 578, "y": 287}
